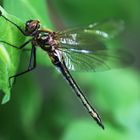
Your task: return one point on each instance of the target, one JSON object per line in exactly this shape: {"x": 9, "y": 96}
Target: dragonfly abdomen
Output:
{"x": 62, "y": 67}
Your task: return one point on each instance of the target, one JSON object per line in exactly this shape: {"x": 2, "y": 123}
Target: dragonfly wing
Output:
{"x": 84, "y": 48}
{"x": 90, "y": 38}
{"x": 99, "y": 61}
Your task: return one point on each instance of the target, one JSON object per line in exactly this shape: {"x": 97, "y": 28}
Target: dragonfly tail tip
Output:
{"x": 102, "y": 126}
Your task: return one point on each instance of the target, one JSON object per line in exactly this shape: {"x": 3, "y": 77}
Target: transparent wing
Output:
{"x": 98, "y": 61}
{"x": 84, "y": 48}
{"x": 90, "y": 38}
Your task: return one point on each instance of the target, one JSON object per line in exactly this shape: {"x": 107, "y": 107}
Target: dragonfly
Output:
{"x": 75, "y": 49}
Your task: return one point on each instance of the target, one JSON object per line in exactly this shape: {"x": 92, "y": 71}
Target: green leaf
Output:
{"x": 30, "y": 9}
{"x": 33, "y": 9}
{"x": 9, "y": 56}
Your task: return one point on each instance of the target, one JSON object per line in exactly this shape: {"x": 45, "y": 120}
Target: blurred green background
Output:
{"x": 43, "y": 106}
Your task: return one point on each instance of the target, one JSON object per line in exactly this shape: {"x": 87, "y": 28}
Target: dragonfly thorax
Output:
{"x": 45, "y": 40}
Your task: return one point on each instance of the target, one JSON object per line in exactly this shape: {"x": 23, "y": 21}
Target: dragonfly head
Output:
{"x": 31, "y": 27}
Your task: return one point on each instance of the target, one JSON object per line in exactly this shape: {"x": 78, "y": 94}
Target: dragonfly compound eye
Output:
{"x": 32, "y": 26}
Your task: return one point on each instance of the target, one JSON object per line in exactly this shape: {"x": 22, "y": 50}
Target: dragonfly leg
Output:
{"x": 32, "y": 65}
{"x": 27, "y": 49}
{"x": 18, "y": 27}
{"x": 20, "y": 47}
